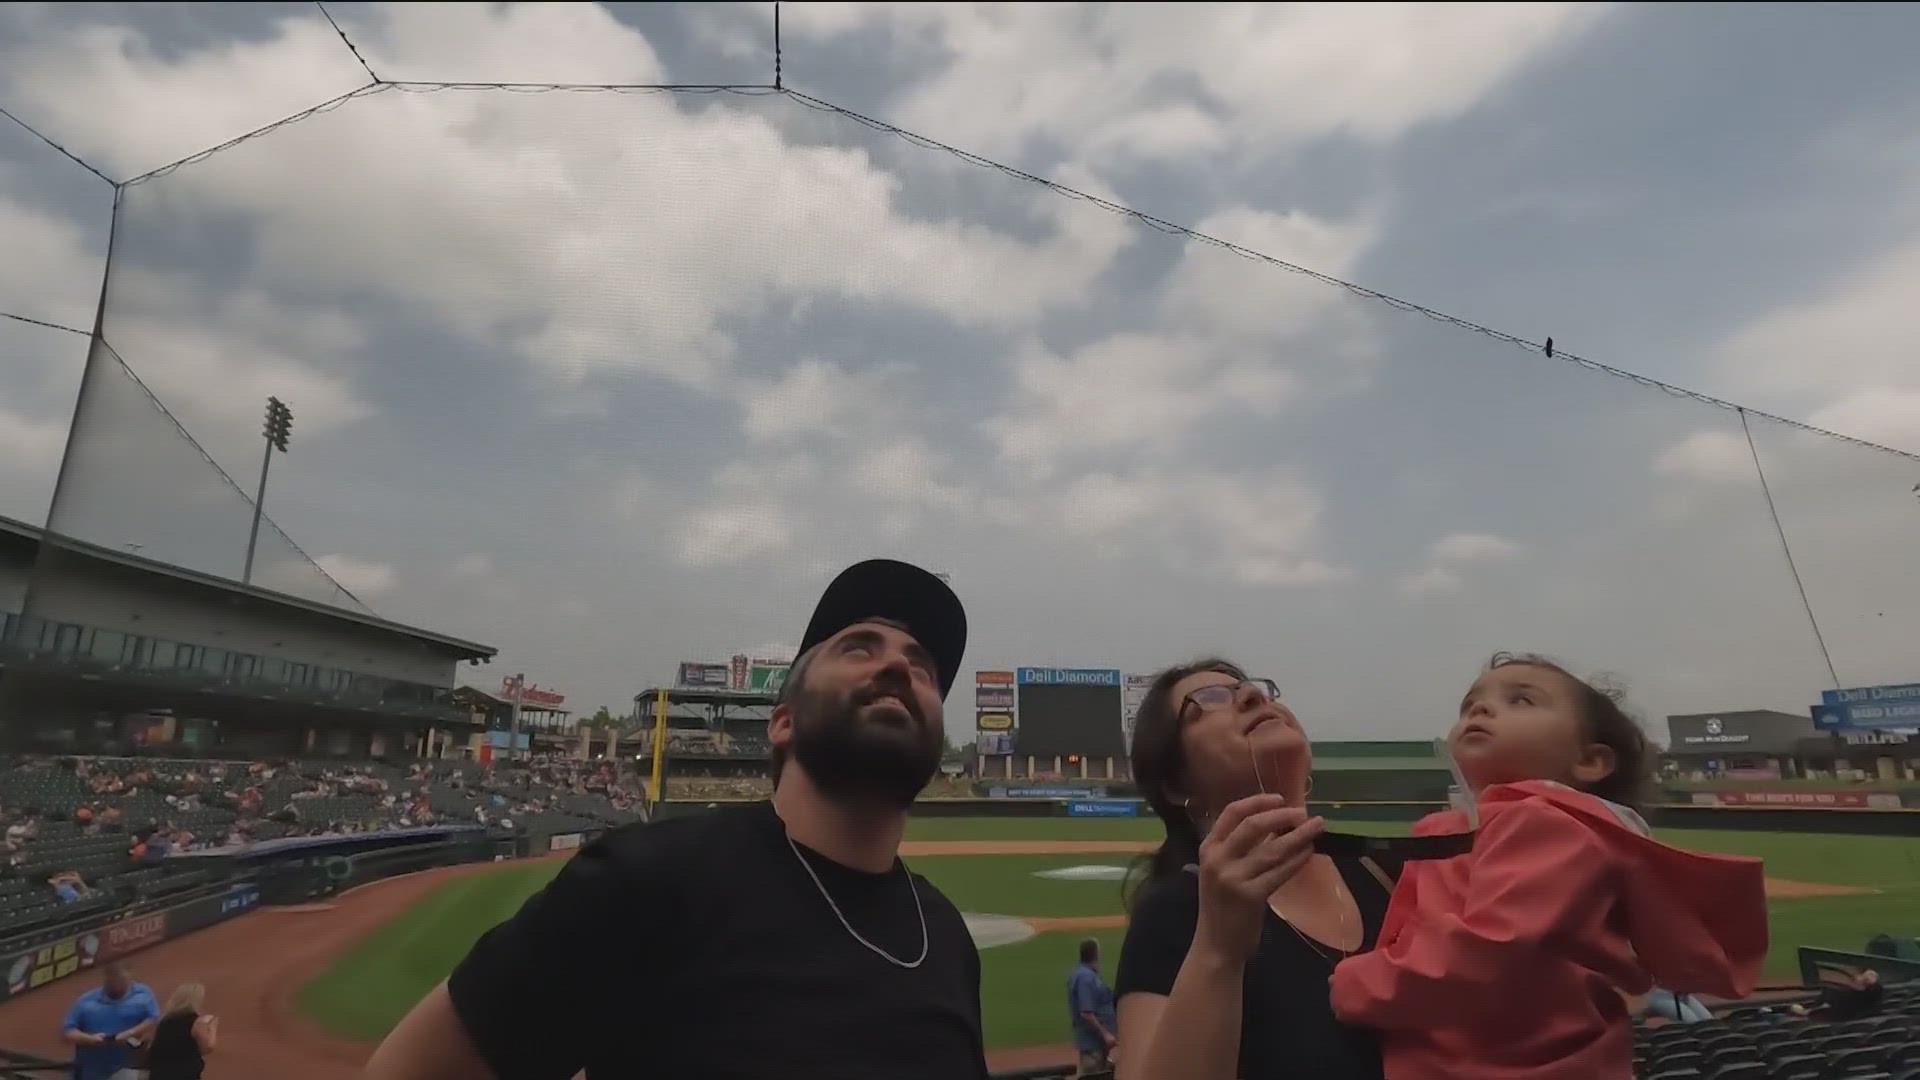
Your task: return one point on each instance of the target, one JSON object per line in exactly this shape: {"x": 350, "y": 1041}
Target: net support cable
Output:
{"x": 378, "y": 85}
{"x": 778, "y": 86}
{"x": 1786, "y": 549}
{"x": 1546, "y": 347}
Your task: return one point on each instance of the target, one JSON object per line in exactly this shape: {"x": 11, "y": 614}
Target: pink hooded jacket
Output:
{"x": 1509, "y": 962}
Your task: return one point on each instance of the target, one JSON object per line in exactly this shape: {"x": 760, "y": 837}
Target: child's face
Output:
{"x": 1519, "y": 722}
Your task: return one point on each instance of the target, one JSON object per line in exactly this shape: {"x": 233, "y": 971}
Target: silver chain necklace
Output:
{"x": 828, "y": 897}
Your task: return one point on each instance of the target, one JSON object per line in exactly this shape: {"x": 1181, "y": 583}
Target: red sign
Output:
{"x": 993, "y": 678}
{"x": 1853, "y": 800}
{"x": 740, "y": 666}
{"x": 516, "y": 688}
{"x": 125, "y": 936}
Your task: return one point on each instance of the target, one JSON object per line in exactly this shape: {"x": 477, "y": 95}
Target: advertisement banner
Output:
{"x": 563, "y": 842}
{"x": 80, "y": 951}
{"x": 1872, "y": 695}
{"x": 55, "y": 960}
{"x": 1850, "y": 800}
{"x": 993, "y": 678}
{"x": 704, "y": 676}
{"x": 1104, "y": 808}
{"x": 995, "y": 742}
{"x": 767, "y": 676}
{"x": 1029, "y": 791}
{"x": 737, "y": 673}
{"x": 1887, "y": 713}
{"x": 1062, "y": 676}
{"x": 1132, "y": 692}
{"x": 127, "y": 935}
{"x": 993, "y": 697}
{"x": 239, "y": 898}
{"x": 988, "y": 721}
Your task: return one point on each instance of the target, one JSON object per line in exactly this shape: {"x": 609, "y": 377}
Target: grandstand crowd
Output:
{"x": 86, "y": 835}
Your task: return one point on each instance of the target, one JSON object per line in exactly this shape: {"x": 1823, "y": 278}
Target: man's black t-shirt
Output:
{"x": 699, "y": 949}
{"x": 1287, "y": 1027}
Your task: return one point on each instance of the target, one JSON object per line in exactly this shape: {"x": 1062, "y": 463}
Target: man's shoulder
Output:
{"x": 677, "y": 840}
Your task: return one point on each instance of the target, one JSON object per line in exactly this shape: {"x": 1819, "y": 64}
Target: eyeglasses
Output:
{"x": 1217, "y": 694}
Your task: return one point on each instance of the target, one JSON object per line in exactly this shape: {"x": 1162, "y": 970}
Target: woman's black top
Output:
{"x": 1287, "y": 1027}
{"x": 174, "y": 1054}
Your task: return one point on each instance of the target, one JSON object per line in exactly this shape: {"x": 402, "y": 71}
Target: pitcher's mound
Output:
{"x": 990, "y": 931}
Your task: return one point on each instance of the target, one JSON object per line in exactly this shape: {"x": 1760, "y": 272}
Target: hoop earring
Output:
{"x": 1309, "y": 790}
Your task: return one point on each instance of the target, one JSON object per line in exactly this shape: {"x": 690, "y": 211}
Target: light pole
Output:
{"x": 279, "y": 428}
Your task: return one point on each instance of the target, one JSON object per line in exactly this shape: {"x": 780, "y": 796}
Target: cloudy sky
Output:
{"x": 614, "y": 380}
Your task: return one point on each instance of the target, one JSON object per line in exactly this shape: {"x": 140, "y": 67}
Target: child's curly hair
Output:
{"x": 1607, "y": 723}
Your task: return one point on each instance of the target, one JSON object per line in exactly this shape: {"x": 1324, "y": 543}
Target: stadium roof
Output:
{"x": 466, "y": 650}
{"x": 713, "y": 695}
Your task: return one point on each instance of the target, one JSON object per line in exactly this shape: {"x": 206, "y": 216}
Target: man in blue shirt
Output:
{"x": 107, "y": 1022}
{"x": 1090, "y": 1001}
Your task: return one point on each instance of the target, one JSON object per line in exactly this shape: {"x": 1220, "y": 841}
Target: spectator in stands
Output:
{"x": 1669, "y": 1007}
{"x": 184, "y": 1036}
{"x": 106, "y": 1023}
{"x": 1237, "y": 925}
{"x": 1090, "y": 1010}
{"x": 826, "y": 955}
{"x": 70, "y": 887}
{"x": 1845, "y": 994}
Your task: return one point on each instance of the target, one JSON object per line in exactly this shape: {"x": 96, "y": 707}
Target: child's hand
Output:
{"x": 1258, "y": 843}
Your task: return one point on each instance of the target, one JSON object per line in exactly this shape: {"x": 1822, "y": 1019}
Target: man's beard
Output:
{"x": 861, "y": 761}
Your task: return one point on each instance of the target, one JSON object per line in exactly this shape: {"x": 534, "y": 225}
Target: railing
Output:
{"x": 74, "y": 647}
{"x": 18, "y": 1066}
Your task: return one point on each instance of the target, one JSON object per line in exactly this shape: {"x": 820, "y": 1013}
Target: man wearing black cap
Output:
{"x": 779, "y": 939}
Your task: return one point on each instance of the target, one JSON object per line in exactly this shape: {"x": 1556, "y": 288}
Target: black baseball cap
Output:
{"x": 902, "y": 593}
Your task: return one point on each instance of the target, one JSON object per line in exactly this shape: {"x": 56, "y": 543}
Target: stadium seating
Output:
{"x": 1758, "y": 1044}
{"x": 203, "y": 799}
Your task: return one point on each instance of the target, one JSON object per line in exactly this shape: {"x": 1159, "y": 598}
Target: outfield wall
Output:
{"x": 1859, "y": 822}
{"x": 107, "y": 938}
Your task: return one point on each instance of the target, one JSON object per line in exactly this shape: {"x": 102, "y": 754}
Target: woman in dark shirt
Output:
{"x": 184, "y": 1036}
{"x": 1236, "y": 929}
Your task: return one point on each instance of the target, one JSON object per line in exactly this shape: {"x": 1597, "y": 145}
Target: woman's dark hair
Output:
{"x": 1605, "y": 721}
{"x": 1159, "y": 766}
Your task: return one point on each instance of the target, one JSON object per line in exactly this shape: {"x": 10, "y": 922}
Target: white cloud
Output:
{"x": 47, "y": 272}
{"x": 472, "y": 567}
{"x": 1142, "y": 390}
{"x": 1719, "y": 456}
{"x": 1841, "y": 346}
{"x": 30, "y": 444}
{"x": 1468, "y": 547}
{"x": 907, "y": 472}
{"x": 495, "y": 215}
{"x": 1215, "y": 289}
{"x": 364, "y": 578}
{"x": 1257, "y": 530}
{"x": 715, "y": 535}
{"x": 814, "y": 397}
{"x": 748, "y": 517}
{"x": 1431, "y": 580}
{"x": 1879, "y": 414}
{"x": 1165, "y": 83}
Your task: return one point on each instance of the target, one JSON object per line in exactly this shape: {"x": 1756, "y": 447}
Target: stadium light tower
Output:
{"x": 278, "y": 429}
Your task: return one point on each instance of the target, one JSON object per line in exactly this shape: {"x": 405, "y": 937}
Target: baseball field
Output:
{"x": 1036, "y": 886}
{"x": 305, "y": 990}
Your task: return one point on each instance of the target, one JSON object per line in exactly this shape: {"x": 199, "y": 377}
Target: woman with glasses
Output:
{"x": 1237, "y": 924}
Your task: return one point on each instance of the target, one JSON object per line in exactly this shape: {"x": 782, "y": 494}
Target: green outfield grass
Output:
{"x": 367, "y": 990}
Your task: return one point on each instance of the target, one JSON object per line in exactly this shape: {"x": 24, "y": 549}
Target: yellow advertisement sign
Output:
{"x": 995, "y": 721}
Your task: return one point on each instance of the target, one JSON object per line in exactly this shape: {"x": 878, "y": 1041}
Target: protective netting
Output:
{"x": 614, "y": 380}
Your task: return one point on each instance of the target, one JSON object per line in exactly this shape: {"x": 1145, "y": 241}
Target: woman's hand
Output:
{"x": 1256, "y": 845}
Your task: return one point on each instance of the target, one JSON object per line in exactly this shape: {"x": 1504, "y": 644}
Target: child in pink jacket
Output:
{"x": 1510, "y": 962}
